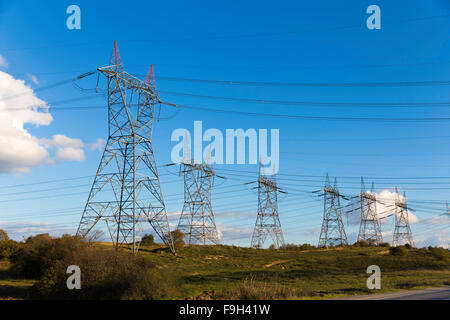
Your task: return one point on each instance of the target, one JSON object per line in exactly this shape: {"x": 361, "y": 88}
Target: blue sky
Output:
{"x": 286, "y": 41}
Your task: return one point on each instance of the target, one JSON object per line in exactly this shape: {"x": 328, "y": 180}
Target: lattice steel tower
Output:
{"x": 402, "y": 230}
{"x": 333, "y": 232}
{"x": 267, "y": 220}
{"x": 369, "y": 229}
{"x": 126, "y": 191}
{"x": 197, "y": 217}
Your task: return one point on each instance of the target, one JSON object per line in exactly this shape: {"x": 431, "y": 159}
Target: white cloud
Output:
{"x": 439, "y": 238}
{"x": 21, "y": 230}
{"x": 33, "y": 78}
{"x": 70, "y": 154}
{"x": 98, "y": 145}
{"x": 233, "y": 233}
{"x": 3, "y": 62}
{"x": 67, "y": 149}
{"x": 19, "y": 150}
{"x": 385, "y": 207}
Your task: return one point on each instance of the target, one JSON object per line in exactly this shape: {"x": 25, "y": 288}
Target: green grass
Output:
{"x": 11, "y": 288}
{"x": 224, "y": 271}
{"x": 228, "y": 272}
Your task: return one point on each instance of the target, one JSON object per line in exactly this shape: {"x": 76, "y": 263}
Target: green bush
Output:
{"x": 40, "y": 252}
{"x": 151, "y": 284}
{"x": 3, "y": 235}
{"x": 9, "y": 249}
{"x": 105, "y": 273}
{"x": 385, "y": 245}
{"x": 289, "y": 246}
{"x": 361, "y": 243}
{"x": 439, "y": 253}
{"x": 148, "y": 240}
{"x": 177, "y": 237}
{"x": 400, "y": 251}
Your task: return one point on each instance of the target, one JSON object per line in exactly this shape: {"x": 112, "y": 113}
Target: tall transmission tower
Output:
{"x": 448, "y": 215}
{"x": 333, "y": 232}
{"x": 402, "y": 230}
{"x": 197, "y": 217}
{"x": 448, "y": 210}
{"x": 267, "y": 219}
{"x": 126, "y": 191}
{"x": 369, "y": 229}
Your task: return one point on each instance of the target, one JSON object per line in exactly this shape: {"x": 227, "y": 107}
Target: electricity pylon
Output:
{"x": 126, "y": 190}
{"x": 369, "y": 229}
{"x": 448, "y": 215}
{"x": 267, "y": 219}
{"x": 448, "y": 210}
{"x": 402, "y": 230}
{"x": 333, "y": 232}
{"x": 197, "y": 217}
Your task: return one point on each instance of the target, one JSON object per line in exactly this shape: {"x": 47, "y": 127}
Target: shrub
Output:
{"x": 150, "y": 284}
{"x": 400, "y": 251}
{"x": 41, "y": 251}
{"x": 289, "y": 246}
{"x": 9, "y": 249}
{"x": 148, "y": 240}
{"x": 177, "y": 237}
{"x": 306, "y": 246}
{"x": 361, "y": 243}
{"x": 439, "y": 253}
{"x": 385, "y": 245}
{"x": 105, "y": 273}
{"x": 3, "y": 235}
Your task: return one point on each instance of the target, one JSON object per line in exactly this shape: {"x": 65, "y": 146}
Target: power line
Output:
{"x": 50, "y": 86}
{"x": 231, "y": 36}
{"x": 319, "y": 118}
{"x": 310, "y": 103}
{"x": 310, "y": 84}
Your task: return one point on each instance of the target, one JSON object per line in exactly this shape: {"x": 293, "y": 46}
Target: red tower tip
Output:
{"x": 115, "y": 56}
{"x": 151, "y": 77}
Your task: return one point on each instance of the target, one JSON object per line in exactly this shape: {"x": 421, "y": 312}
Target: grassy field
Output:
{"x": 228, "y": 272}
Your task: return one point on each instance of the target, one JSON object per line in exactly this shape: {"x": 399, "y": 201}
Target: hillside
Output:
{"x": 228, "y": 272}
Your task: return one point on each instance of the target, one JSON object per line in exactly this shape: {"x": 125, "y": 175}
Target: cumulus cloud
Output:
{"x": 67, "y": 149}
{"x": 19, "y": 149}
{"x": 98, "y": 145}
{"x": 3, "y": 62}
{"x": 439, "y": 238}
{"x": 33, "y": 78}
{"x": 31, "y": 227}
{"x": 233, "y": 233}
{"x": 385, "y": 206}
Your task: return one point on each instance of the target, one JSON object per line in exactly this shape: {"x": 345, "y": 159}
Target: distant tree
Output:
{"x": 177, "y": 237}
{"x": 3, "y": 235}
{"x": 439, "y": 253}
{"x": 148, "y": 239}
{"x": 398, "y": 251}
{"x": 39, "y": 238}
{"x": 361, "y": 243}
